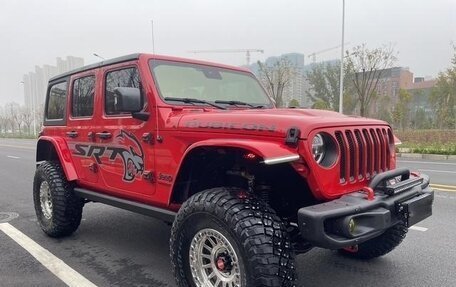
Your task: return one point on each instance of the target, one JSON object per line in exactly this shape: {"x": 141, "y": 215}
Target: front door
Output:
{"x": 126, "y": 161}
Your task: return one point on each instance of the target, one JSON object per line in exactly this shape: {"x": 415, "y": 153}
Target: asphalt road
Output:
{"x": 113, "y": 247}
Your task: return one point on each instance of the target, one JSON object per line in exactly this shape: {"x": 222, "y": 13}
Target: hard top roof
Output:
{"x": 136, "y": 57}
{"x": 97, "y": 65}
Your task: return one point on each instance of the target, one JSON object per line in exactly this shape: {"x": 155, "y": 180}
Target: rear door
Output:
{"x": 82, "y": 115}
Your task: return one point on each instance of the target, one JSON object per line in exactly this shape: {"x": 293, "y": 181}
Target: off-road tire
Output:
{"x": 66, "y": 213}
{"x": 257, "y": 234}
{"x": 380, "y": 245}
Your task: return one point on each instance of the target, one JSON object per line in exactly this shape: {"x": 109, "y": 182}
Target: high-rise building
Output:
{"x": 294, "y": 89}
{"x": 35, "y": 83}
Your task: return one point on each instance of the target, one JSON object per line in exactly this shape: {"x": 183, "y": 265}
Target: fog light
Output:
{"x": 351, "y": 226}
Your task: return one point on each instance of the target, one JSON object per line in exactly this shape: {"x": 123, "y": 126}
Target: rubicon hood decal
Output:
{"x": 231, "y": 125}
{"x": 268, "y": 122}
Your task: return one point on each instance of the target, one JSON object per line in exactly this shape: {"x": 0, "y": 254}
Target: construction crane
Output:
{"x": 314, "y": 54}
{"x": 246, "y": 51}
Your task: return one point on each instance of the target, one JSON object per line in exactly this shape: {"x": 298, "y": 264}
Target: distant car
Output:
{"x": 245, "y": 184}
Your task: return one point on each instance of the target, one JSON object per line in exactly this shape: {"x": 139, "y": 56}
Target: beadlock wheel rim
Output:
{"x": 213, "y": 261}
{"x": 45, "y": 200}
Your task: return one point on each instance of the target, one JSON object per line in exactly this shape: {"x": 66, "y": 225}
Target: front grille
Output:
{"x": 363, "y": 152}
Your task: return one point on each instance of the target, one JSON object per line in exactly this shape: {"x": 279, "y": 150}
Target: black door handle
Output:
{"x": 72, "y": 134}
{"x": 104, "y": 135}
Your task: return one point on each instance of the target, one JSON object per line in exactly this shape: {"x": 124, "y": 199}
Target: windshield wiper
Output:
{"x": 194, "y": 101}
{"x": 238, "y": 103}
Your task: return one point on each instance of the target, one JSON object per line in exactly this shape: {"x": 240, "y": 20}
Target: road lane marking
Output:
{"x": 18, "y": 146}
{"x": 442, "y": 187}
{"x": 435, "y": 170}
{"x": 12, "y": 156}
{"x": 418, "y": 228}
{"x": 59, "y": 268}
{"x": 427, "y": 162}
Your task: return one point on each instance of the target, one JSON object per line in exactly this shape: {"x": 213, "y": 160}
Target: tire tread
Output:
{"x": 67, "y": 207}
{"x": 260, "y": 231}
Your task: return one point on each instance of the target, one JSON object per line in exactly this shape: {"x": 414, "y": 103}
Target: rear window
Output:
{"x": 56, "y": 101}
{"x": 82, "y": 97}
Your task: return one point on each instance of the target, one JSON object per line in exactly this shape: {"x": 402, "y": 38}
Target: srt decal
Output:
{"x": 234, "y": 126}
{"x": 125, "y": 146}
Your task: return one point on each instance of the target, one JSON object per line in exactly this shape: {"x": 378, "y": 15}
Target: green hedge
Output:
{"x": 428, "y": 141}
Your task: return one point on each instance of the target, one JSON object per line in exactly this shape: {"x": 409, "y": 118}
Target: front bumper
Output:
{"x": 355, "y": 218}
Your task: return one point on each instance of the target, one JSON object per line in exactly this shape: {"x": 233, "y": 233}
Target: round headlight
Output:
{"x": 318, "y": 148}
{"x": 324, "y": 149}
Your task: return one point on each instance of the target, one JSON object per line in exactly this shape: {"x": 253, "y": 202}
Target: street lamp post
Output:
{"x": 98, "y": 56}
{"x": 153, "y": 38}
{"x": 341, "y": 81}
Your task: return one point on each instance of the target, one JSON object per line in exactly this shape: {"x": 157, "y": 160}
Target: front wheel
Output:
{"x": 225, "y": 237}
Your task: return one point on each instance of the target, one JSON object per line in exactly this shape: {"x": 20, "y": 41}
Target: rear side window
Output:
{"x": 56, "y": 101}
{"x": 128, "y": 77}
{"x": 82, "y": 97}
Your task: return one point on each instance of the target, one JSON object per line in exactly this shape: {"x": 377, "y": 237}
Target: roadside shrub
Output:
{"x": 428, "y": 141}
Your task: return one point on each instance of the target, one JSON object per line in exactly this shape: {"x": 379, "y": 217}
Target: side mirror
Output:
{"x": 127, "y": 100}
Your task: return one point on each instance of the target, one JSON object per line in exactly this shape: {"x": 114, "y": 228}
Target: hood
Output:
{"x": 266, "y": 122}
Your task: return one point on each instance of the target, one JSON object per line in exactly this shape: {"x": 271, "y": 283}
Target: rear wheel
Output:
{"x": 57, "y": 208}
{"x": 378, "y": 246}
{"x": 225, "y": 237}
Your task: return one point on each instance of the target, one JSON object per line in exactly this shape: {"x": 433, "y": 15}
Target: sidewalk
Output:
{"x": 426, "y": 156}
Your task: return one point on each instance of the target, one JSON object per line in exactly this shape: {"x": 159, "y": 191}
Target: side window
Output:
{"x": 128, "y": 77}
{"x": 82, "y": 97}
{"x": 57, "y": 102}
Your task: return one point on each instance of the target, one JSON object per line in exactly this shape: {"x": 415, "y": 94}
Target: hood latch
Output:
{"x": 292, "y": 138}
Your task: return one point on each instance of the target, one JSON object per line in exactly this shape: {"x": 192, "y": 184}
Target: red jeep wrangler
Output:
{"x": 245, "y": 185}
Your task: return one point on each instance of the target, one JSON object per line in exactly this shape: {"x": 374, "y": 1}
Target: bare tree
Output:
{"x": 12, "y": 114}
{"x": 26, "y": 117}
{"x": 368, "y": 67}
{"x": 3, "y": 121}
{"x": 39, "y": 116}
{"x": 276, "y": 77}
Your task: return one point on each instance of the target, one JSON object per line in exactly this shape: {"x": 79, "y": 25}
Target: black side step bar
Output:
{"x": 159, "y": 213}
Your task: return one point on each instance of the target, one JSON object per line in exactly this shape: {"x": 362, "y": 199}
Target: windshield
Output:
{"x": 206, "y": 83}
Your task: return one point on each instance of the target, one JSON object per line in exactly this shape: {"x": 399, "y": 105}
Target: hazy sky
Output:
{"x": 36, "y": 32}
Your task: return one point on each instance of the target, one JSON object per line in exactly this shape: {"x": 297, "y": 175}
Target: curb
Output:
{"x": 426, "y": 156}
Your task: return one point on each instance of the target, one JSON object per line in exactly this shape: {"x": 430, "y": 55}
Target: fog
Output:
{"x": 36, "y": 32}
